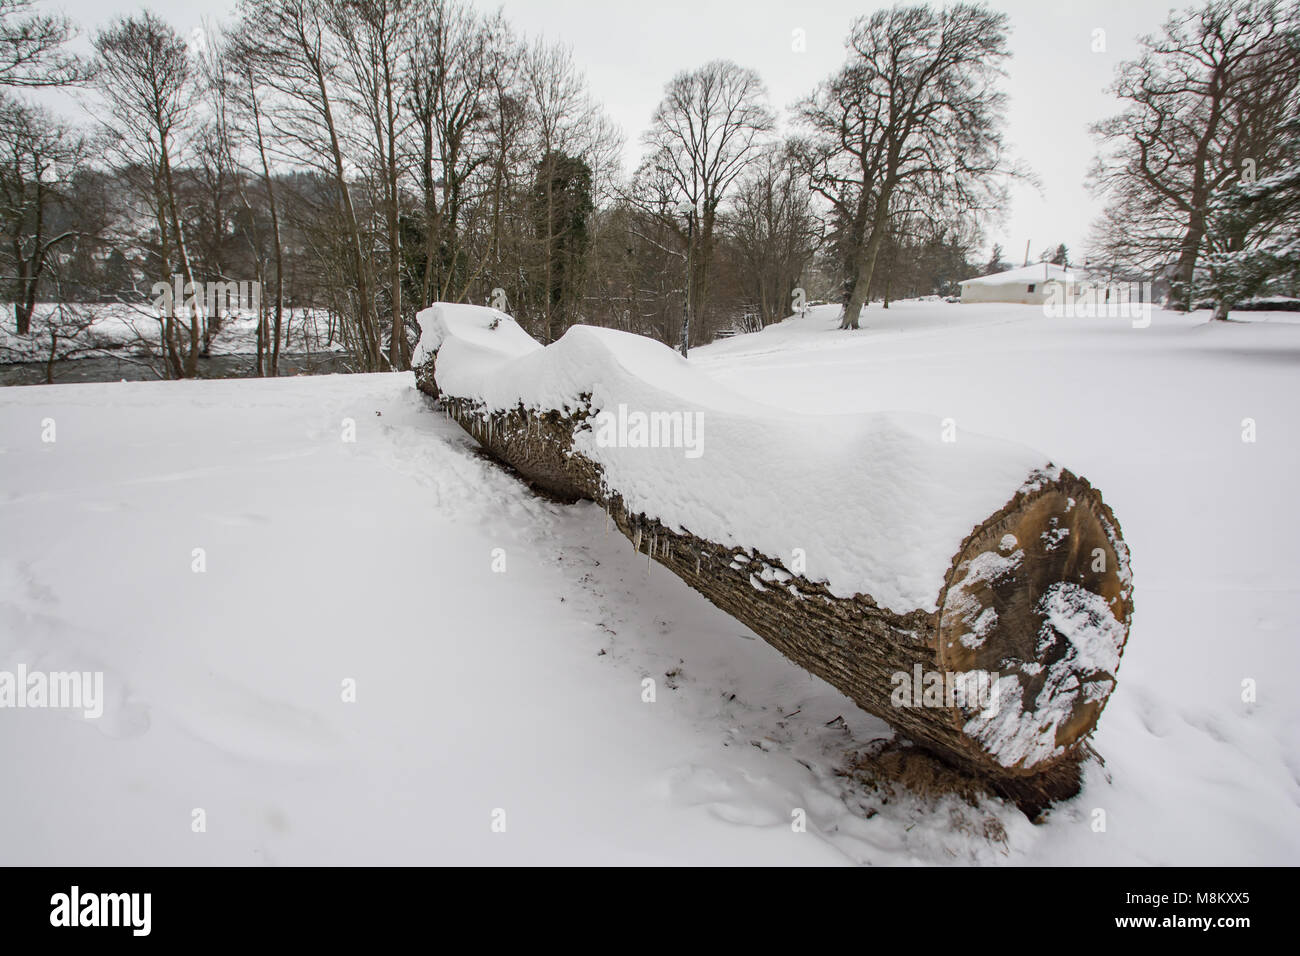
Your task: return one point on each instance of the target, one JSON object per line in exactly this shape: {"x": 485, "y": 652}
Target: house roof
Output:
{"x": 1038, "y": 272}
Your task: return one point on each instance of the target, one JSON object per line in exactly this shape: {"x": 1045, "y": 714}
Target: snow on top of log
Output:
{"x": 472, "y": 342}
{"x": 872, "y": 504}
{"x": 490, "y": 332}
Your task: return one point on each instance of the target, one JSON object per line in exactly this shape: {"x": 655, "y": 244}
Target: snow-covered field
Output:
{"x": 480, "y": 690}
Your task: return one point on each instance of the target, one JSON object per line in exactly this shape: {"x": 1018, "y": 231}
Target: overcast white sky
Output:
{"x": 630, "y": 49}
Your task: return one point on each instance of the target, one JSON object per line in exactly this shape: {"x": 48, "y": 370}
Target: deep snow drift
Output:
{"x": 499, "y": 642}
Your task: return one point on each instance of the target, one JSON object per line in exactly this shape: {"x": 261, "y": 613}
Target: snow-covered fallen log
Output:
{"x": 964, "y": 589}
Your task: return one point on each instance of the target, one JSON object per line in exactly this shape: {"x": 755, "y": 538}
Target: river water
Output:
{"x": 108, "y": 368}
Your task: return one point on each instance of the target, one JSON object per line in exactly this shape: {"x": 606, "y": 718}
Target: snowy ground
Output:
{"x": 478, "y": 690}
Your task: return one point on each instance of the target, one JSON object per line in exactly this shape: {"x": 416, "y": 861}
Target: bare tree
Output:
{"x": 456, "y": 56}
{"x": 773, "y": 231}
{"x": 147, "y": 78}
{"x": 378, "y": 45}
{"x": 915, "y": 110}
{"x": 39, "y": 159}
{"x": 240, "y": 70}
{"x": 38, "y": 150}
{"x": 711, "y": 125}
{"x": 1205, "y": 98}
{"x": 32, "y": 48}
{"x": 571, "y": 136}
{"x": 364, "y": 158}
{"x": 299, "y": 63}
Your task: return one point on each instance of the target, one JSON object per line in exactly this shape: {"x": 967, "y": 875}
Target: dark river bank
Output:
{"x": 110, "y": 368}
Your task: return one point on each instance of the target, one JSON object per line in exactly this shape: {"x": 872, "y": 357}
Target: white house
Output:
{"x": 1029, "y": 285}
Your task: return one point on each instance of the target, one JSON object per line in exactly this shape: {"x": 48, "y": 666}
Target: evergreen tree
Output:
{"x": 1260, "y": 223}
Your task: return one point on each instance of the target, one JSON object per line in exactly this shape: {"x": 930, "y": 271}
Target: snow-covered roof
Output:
{"x": 1038, "y": 272}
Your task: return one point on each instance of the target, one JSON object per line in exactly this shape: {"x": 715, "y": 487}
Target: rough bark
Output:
{"x": 865, "y": 262}
{"x": 859, "y": 647}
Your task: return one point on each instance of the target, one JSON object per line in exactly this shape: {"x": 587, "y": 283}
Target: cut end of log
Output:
{"x": 1039, "y": 595}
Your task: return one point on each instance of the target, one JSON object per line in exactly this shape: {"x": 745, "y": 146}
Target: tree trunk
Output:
{"x": 1185, "y": 270}
{"x": 273, "y": 339}
{"x": 262, "y": 333}
{"x": 397, "y": 334}
{"x": 191, "y": 354}
{"x": 167, "y": 324}
{"x": 1027, "y": 742}
{"x": 1198, "y": 201}
{"x": 865, "y": 264}
{"x": 367, "y": 321}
